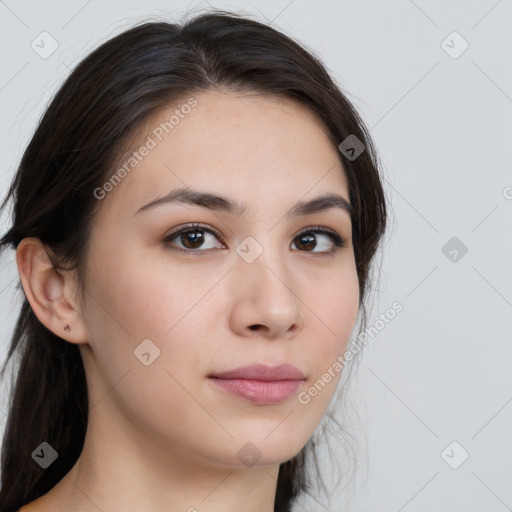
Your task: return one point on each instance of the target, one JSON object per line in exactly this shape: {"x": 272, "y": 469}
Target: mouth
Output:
{"x": 260, "y": 384}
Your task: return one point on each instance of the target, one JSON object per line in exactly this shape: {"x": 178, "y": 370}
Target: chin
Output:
{"x": 259, "y": 451}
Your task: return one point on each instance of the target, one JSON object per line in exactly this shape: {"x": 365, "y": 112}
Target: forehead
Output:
{"x": 257, "y": 149}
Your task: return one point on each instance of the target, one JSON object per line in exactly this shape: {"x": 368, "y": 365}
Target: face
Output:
{"x": 165, "y": 311}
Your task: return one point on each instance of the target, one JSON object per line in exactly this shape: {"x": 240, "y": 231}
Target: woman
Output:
{"x": 194, "y": 221}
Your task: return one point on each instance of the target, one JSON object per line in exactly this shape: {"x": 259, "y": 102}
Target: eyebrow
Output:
{"x": 220, "y": 203}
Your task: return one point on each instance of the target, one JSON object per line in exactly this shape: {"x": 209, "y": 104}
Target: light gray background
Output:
{"x": 440, "y": 371}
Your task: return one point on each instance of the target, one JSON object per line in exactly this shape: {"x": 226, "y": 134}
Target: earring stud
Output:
{"x": 67, "y": 328}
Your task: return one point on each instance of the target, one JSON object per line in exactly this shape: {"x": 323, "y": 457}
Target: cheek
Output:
{"x": 333, "y": 317}
{"x": 157, "y": 301}
{"x": 144, "y": 297}
{"x": 133, "y": 303}
{"x": 337, "y": 305}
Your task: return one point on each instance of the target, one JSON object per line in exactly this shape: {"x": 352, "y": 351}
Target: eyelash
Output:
{"x": 337, "y": 240}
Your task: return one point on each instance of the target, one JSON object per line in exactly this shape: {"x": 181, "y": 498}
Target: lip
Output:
{"x": 260, "y": 383}
{"x": 262, "y": 372}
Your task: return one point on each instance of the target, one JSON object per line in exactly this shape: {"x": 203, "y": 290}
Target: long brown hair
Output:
{"x": 106, "y": 98}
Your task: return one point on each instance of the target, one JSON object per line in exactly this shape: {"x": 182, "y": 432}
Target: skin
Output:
{"x": 150, "y": 426}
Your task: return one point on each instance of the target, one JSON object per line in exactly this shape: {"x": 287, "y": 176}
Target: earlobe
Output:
{"x": 45, "y": 289}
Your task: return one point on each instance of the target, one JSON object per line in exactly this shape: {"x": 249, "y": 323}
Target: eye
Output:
{"x": 193, "y": 236}
{"x": 308, "y": 238}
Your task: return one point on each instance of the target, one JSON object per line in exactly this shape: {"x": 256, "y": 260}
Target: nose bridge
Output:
{"x": 262, "y": 268}
{"x": 260, "y": 257}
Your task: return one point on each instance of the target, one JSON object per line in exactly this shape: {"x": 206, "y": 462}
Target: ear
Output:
{"x": 50, "y": 292}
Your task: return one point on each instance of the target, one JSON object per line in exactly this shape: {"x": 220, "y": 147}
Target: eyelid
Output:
{"x": 318, "y": 228}
{"x": 191, "y": 227}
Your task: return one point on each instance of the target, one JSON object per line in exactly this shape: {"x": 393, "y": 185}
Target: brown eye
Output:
{"x": 192, "y": 237}
{"x": 308, "y": 240}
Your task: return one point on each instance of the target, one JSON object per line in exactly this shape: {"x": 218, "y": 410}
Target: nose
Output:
{"x": 265, "y": 298}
